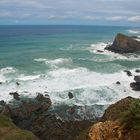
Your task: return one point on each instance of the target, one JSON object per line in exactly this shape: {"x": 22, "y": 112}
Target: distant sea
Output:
{"x": 55, "y": 60}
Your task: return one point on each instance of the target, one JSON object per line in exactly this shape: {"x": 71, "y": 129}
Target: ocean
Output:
{"x": 56, "y": 60}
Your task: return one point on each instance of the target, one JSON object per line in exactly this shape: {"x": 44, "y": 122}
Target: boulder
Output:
{"x": 124, "y": 44}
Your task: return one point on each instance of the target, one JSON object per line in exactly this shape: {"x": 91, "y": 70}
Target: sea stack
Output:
{"x": 124, "y": 44}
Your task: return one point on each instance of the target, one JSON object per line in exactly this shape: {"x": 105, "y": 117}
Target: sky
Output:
{"x": 70, "y": 12}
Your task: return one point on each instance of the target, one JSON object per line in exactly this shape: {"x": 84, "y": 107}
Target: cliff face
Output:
{"x": 124, "y": 44}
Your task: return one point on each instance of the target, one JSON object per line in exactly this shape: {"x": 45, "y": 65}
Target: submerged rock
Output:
{"x": 124, "y": 44}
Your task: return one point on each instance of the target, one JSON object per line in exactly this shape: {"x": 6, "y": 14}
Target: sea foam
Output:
{"x": 134, "y": 31}
{"x": 99, "y": 48}
{"x": 56, "y": 62}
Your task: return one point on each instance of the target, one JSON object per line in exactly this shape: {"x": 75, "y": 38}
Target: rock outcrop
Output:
{"x": 114, "y": 111}
{"x": 124, "y": 44}
{"x": 121, "y": 121}
{"x": 33, "y": 114}
{"x": 136, "y": 85}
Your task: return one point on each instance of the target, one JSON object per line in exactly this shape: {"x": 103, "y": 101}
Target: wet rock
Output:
{"x": 137, "y": 70}
{"x": 118, "y": 83}
{"x": 70, "y": 95}
{"x": 137, "y": 79}
{"x": 17, "y": 83}
{"x": 1, "y": 83}
{"x": 71, "y": 110}
{"x": 2, "y": 102}
{"x": 136, "y": 85}
{"x": 128, "y": 72}
{"x": 124, "y": 44}
{"x": 15, "y": 95}
{"x": 100, "y": 51}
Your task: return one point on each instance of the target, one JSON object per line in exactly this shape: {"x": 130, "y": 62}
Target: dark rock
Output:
{"x": 15, "y": 95}
{"x": 135, "y": 86}
{"x": 2, "y": 102}
{"x": 0, "y": 83}
{"x": 134, "y": 37}
{"x": 26, "y": 108}
{"x": 118, "y": 83}
{"x": 100, "y": 51}
{"x": 17, "y": 83}
{"x": 32, "y": 114}
{"x": 71, "y": 110}
{"x": 137, "y": 70}
{"x": 128, "y": 72}
{"x": 137, "y": 79}
{"x": 70, "y": 95}
{"x": 124, "y": 44}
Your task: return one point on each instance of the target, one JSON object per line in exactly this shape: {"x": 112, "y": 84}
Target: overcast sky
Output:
{"x": 105, "y": 12}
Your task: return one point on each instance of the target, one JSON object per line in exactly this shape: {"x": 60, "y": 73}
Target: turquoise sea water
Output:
{"x": 59, "y": 59}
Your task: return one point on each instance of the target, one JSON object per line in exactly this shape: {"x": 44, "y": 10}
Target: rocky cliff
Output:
{"x": 121, "y": 121}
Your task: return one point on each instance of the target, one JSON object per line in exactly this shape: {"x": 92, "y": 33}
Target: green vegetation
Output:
{"x": 8, "y": 131}
{"x": 131, "y": 118}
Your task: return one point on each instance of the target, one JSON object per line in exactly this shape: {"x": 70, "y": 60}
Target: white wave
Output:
{"x": 99, "y": 48}
{"x": 56, "y": 62}
{"x": 40, "y": 60}
{"x": 7, "y": 70}
{"x": 4, "y": 72}
{"x": 26, "y": 78}
{"x": 134, "y": 31}
{"x": 88, "y": 87}
{"x": 137, "y": 39}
